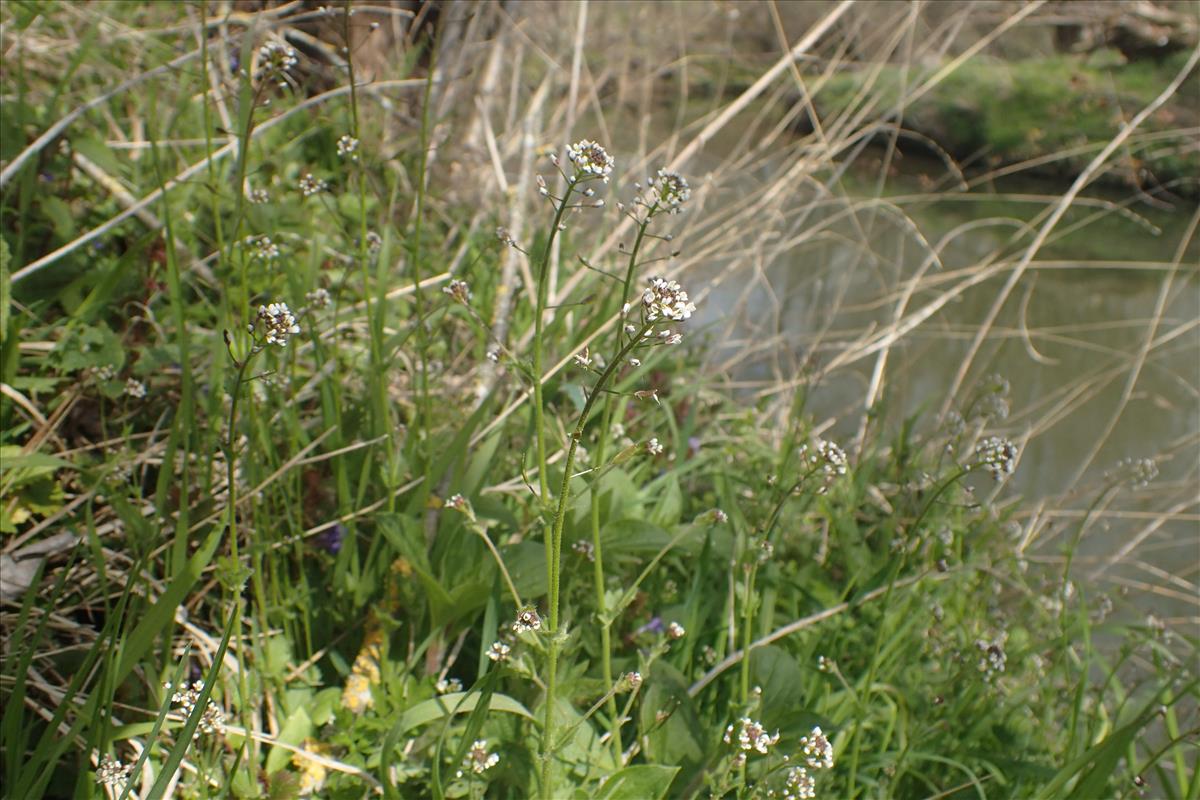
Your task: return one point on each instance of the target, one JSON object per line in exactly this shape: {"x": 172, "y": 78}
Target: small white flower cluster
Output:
{"x": 275, "y": 61}
{"x": 264, "y": 248}
{"x": 818, "y": 752}
{"x": 459, "y": 291}
{"x": 112, "y": 772}
{"x": 585, "y": 549}
{"x": 825, "y": 664}
{"x": 654, "y": 447}
{"x": 135, "y": 388}
{"x": 630, "y": 682}
{"x": 499, "y": 652}
{"x": 766, "y": 551}
{"x": 799, "y": 785}
{"x": 258, "y": 196}
{"x": 527, "y": 621}
{"x": 583, "y": 358}
{"x": 279, "y": 323}
{"x": 374, "y": 243}
{"x": 347, "y": 146}
{"x": 993, "y": 401}
{"x": 675, "y": 631}
{"x": 665, "y": 299}
{"x": 1137, "y": 472}
{"x": 448, "y": 685}
{"x": 479, "y": 759}
{"x": 318, "y": 298}
{"x": 751, "y": 735}
{"x": 992, "y": 658}
{"x": 310, "y": 185}
{"x": 590, "y": 159}
{"x": 672, "y": 190}
{"x": 998, "y": 455}
{"x": 211, "y": 721}
{"x": 505, "y": 237}
{"x": 828, "y": 457}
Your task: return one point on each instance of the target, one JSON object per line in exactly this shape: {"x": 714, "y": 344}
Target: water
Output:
{"x": 1066, "y": 339}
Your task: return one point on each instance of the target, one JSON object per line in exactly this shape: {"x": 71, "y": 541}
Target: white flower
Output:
{"x": 585, "y": 549}
{"x": 751, "y": 735}
{"x": 583, "y": 358}
{"x": 675, "y": 630}
{"x": 630, "y": 682}
{"x": 264, "y": 248}
{"x": 275, "y": 60}
{"x": 310, "y": 185}
{"x": 446, "y": 686}
{"x": 460, "y": 291}
{"x": 800, "y": 784}
{"x": 1137, "y": 472}
{"x": 479, "y": 759}
{"x": 998, "y": 455}
{"x": 505, "y": 237}
{"x": 374, "y": 243}
{"x": 258, "y": 196}
{"x": 654, "y": 448}
{"x": 135, "y": 388}
{"x": 499, "y": 651}
{"x": 347, "y": 145}
{"x": 818, "y": 751}
{"x": 992, "y": 658}
{"x": 665, "y": 299}
{"x": 212, "y": 720}
{"x": 672, "y": 189}
{"x": 318, "y": 298}
{"x": 279, "y": 323}
{"x": 527, "y": 620}
{"x": 112, "y": 772}
{"x": 590, "y": 158}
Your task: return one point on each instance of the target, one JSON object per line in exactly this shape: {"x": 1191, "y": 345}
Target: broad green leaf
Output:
{"x": 297, "y": 728}
{"x": 454, "y": 703}
{"x": 11, "y": 458}
{"x": 640, "y": 782}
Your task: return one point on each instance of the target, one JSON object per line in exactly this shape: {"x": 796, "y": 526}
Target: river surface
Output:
{"x": 1068, "y": 338}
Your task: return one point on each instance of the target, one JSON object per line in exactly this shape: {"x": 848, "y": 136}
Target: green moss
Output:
{"x": 1018, "y": 111}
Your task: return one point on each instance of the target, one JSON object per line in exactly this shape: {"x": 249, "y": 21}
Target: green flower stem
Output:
{"x": 747, "y": 631}
{"x": 539, "y": 424}
{"x": 554, "y": 543}
{"x": 230, "y": 471}
{"x": 606, "y": 671}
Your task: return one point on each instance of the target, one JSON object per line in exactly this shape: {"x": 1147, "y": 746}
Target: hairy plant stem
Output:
{"x": 555, "y": 547}
{"x": 614, "y": 724}
{"x": 423, "y": 407}
{"x": 539, "y": 424}
{"x": 235, "y": 622}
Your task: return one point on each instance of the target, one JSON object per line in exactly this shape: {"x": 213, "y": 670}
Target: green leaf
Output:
{"x": 669, "y": 504}
{"x": 438, "y": 707}
{"x": 295, "y": 730}
{"x": 98, "y": 153}
{"x": 5, "y": 288}
{"x": 11, "y": 458}
{"x": 641, "y": 782}
{"x": 59, "y": 213}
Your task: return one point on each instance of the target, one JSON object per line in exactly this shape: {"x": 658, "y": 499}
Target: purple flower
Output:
{"x": 330, "y": 539}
